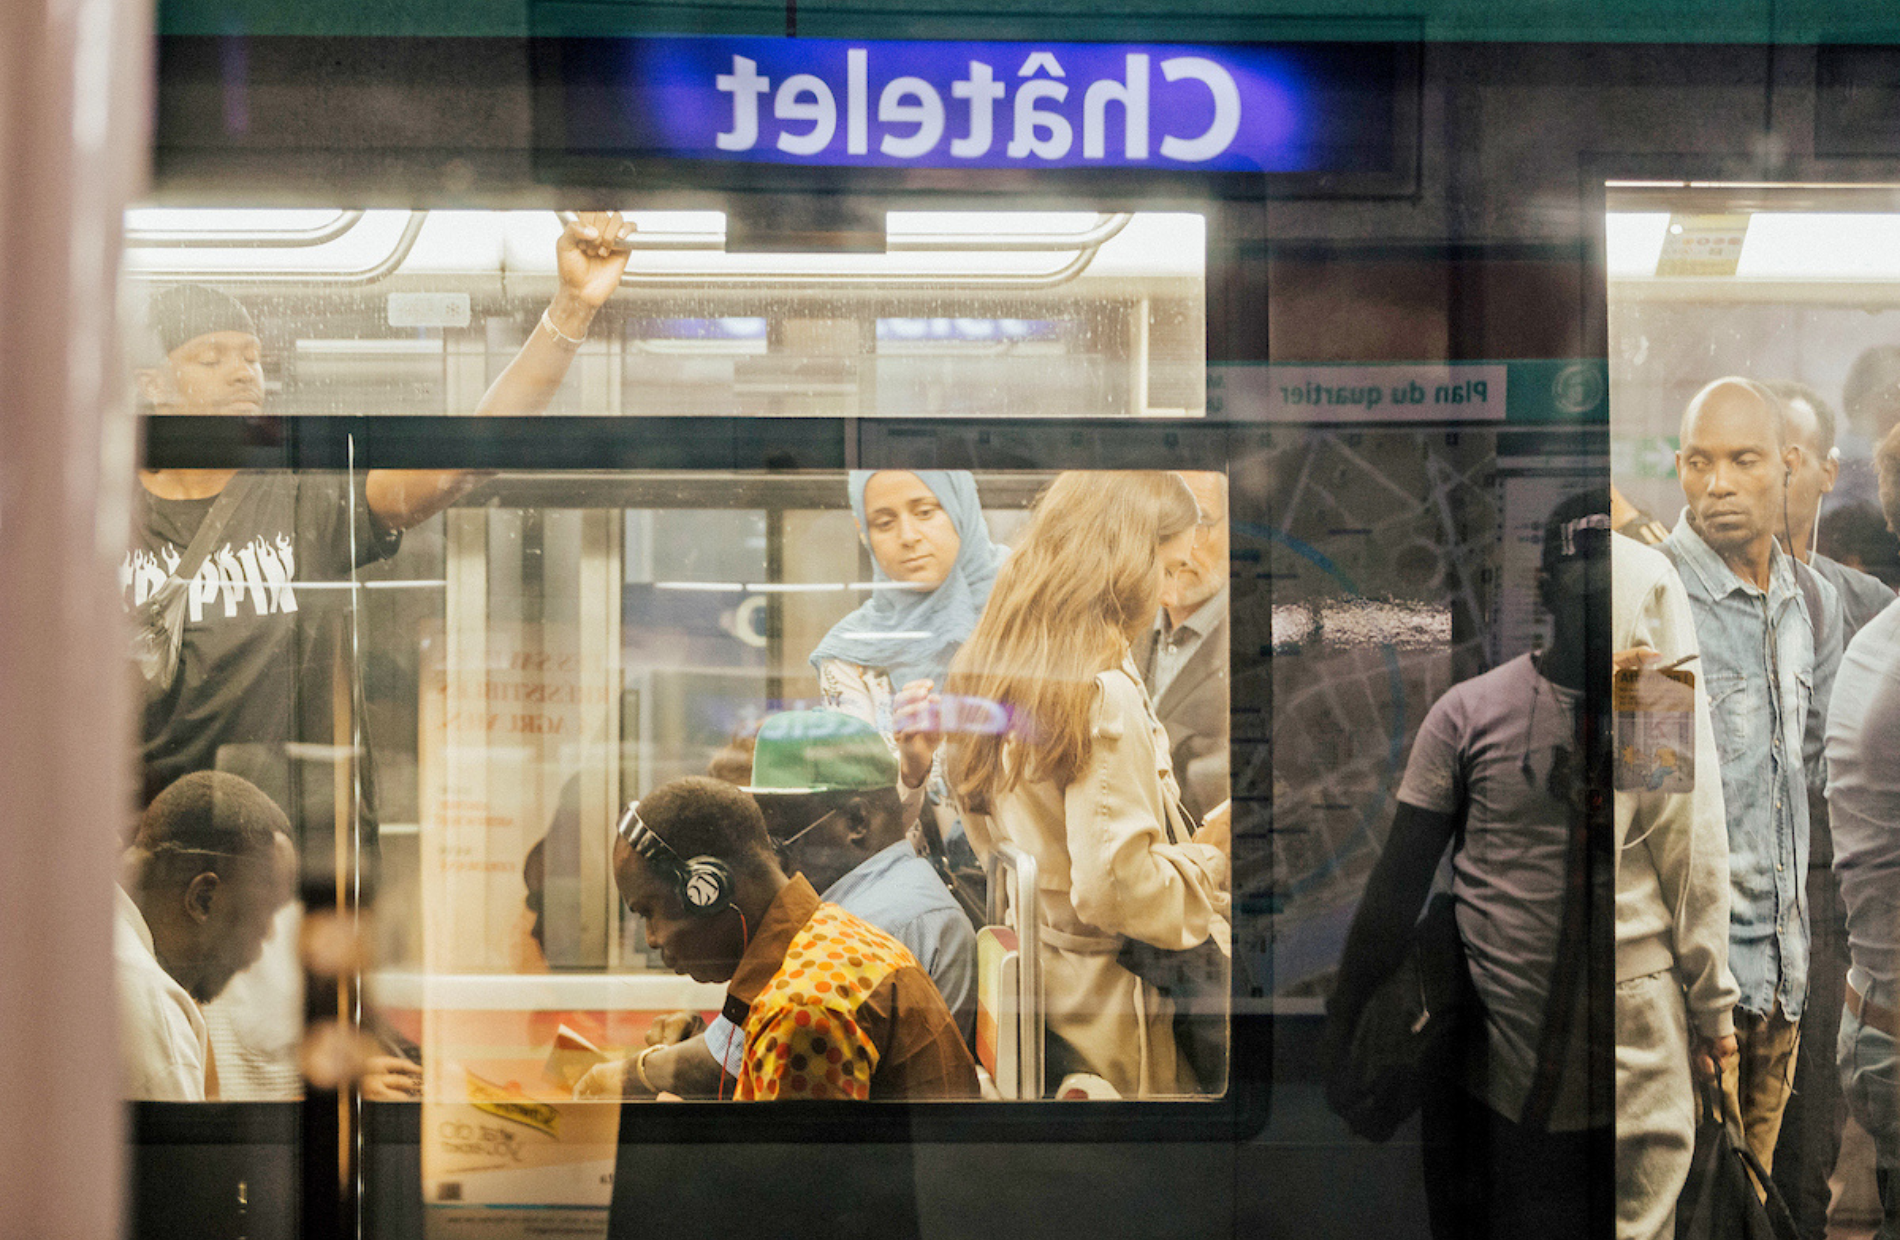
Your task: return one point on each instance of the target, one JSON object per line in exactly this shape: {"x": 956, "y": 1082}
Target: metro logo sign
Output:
{"x": 850, "y": 103}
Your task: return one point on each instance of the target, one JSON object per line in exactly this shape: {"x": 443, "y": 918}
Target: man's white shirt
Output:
{"x": 163, "y": 1045}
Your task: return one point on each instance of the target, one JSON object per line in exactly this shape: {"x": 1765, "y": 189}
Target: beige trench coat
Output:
{"x": 1107, "y": 871}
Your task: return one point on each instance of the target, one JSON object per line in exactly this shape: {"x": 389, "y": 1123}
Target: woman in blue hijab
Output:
{"x": 932, "y": 567}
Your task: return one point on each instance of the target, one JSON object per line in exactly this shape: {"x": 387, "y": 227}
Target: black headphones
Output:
{"x": 703, "y": 884}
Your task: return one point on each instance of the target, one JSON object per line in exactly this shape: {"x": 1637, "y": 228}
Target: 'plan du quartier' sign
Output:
{"x": 850, "y": 103}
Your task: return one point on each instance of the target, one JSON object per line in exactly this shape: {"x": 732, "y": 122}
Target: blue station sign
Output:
{"x": 990, "y": 105}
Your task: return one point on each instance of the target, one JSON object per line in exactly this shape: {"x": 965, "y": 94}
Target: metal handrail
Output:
{"x": 342, "y": 279}
{"x": 1089, "y": 243}
{"x": 1029, "y": 1057}
{"x": 1093, "y": 236}
{"x": 868, "y": 279}
{"x": 1089, "y": 238}
{"x": 259, "y": 238}
{"x": 1086, "y": 245}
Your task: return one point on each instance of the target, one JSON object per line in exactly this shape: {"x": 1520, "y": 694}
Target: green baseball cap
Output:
{"x": 806, "y": 751}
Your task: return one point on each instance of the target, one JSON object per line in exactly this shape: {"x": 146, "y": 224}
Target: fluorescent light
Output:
{"x": 1786, "y": 247}
{"x": 1634, "y": 242}
{"x": 1815, "y": 245}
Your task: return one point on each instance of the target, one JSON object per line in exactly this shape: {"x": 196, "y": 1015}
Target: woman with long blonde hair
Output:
{"x": 1075, "y": 769}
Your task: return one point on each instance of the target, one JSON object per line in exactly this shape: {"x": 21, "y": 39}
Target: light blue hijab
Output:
{"x": 913, "y": 634}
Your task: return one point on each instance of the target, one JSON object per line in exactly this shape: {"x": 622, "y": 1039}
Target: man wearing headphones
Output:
{"x": 830, "y": 1006}
{"x": 1768, "y": 656}
{"x": 1811, "y": 1129}
{"x": 826, "y": 783}
{"x": 1809, "y": 428}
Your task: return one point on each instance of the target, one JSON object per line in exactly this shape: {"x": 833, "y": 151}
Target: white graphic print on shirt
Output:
{"x": 261, "y": 573}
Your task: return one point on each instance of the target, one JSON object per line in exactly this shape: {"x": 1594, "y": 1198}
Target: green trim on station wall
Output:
{"x": 1480, "y": 21}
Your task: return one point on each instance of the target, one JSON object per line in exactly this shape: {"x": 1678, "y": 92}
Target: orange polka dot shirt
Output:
{"x": 836, "y": 1008}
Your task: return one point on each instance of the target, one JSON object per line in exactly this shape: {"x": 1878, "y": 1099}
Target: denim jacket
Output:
{"x": 1758, "y": 665}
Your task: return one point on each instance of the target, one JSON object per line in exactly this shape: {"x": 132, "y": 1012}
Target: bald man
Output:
{"x": 1758, "y": 614}
{"x": 1810, "y": 430}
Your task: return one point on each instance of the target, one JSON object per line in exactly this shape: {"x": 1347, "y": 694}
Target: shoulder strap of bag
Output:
{"x": 1565, "y": 975}
{"x": 206, "y": 537}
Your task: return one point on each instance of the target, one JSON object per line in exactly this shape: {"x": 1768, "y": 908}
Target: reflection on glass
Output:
{"x": 450, "y": 689}
{"x": 977, "y": 314}
{"x": 238, "y": 584}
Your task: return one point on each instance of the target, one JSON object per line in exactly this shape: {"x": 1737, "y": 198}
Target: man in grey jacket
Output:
{"x": 1863, "y": 795}
{"x": 1183, "y": 658}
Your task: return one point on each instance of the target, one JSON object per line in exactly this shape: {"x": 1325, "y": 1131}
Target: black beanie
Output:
{"x": 185, "y": 312}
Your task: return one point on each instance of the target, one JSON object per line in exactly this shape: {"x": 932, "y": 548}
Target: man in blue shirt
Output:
{"x": 1759, "y": 663}
{"x": 827, "y": 784}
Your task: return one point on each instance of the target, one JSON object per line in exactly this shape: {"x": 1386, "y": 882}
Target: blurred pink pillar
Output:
{"x": 75, "y": 101}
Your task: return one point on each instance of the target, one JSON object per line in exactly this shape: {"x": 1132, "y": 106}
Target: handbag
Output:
{"x": 1197, "y": 980}
{"x": 1721, "y": 1200}
{"x": 158, "y": 623}
{"x": 1408, "y": 1035}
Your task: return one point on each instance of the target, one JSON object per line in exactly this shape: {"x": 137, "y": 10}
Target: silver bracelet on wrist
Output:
{"x": 573, "y": 342}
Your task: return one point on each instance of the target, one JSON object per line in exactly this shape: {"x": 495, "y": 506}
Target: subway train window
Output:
{"x": 939, "y": 313}
{"x": 610, "y": 716}
{"x": 614, "y": 785}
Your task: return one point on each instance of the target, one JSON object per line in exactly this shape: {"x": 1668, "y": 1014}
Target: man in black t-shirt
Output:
{"x": 258, "y": 648}
{"x": 264, "y": 657}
